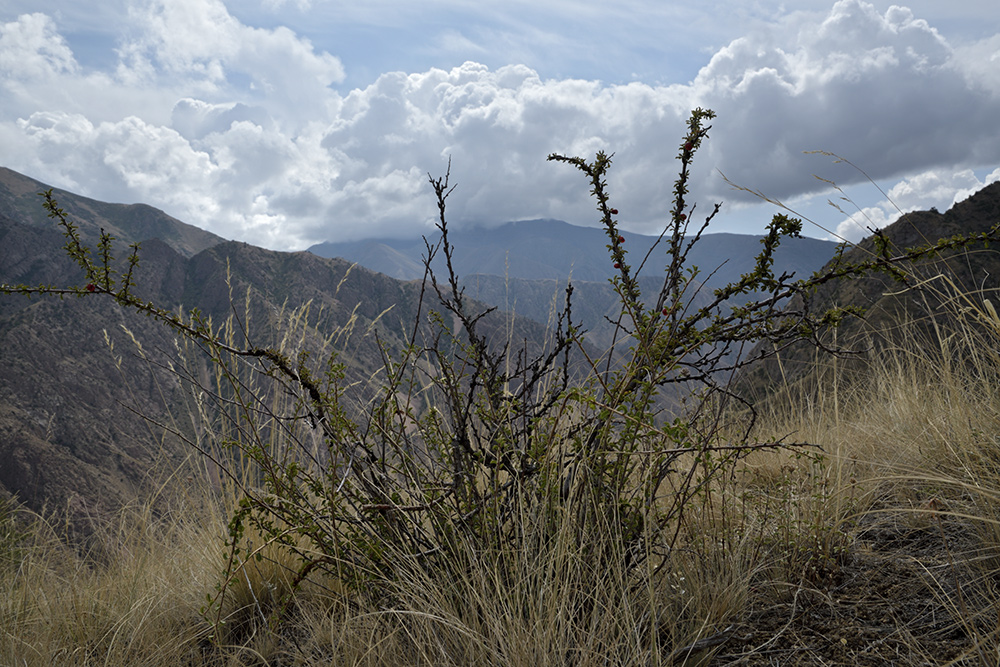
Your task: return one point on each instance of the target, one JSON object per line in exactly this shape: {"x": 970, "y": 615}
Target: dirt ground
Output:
{"x": 907, "y": 593}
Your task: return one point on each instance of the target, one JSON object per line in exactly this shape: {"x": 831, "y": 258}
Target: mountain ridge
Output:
{"x": 525, "y": 266}
{"x": 128, "y": 223}
{"x": 548, "y": 249}
{"x": 73, "y": 382}
{"x": 892, "y": 310}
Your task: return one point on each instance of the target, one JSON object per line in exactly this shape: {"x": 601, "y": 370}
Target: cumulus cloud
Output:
{"x": 153, "y": 162}
{"x": 883, "y": 90}
{"x": 195, "y": 119}
{"x": 497, "y": 127}
{"x": 934, "y": 189}
{"x": 200, "y": 41}
{"x": 979, "y": 63}
{"x": 31, "y": 48}
{"x": 242, "y": 130}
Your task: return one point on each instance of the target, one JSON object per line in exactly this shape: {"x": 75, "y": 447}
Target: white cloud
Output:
{"x": 201, "y": 42}
{"x": 195, "y": 119}
{"x": 32, "y": 49}
{"x": 153, "y": 163}
{"x": 964, "y": 193}
{"x": 979, "y": 62}
{"x": 935, "y": 189}
{"x": 240, "y": 129}
{"x": 932, "y": 188}
{"x": 881, "y": 90}
{"x": 863, "y": 223}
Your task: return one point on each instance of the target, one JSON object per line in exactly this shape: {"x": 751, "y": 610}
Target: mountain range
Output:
{"x": 80, "y": 400}
{"x": 79, "y": 397}
{"x": 524, "y": 266}
{"x": 556, "y": 250}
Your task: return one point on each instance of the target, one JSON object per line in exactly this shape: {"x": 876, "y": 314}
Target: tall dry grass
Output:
{"x": 131, "y": 595}
{"x": 911, "y": 438}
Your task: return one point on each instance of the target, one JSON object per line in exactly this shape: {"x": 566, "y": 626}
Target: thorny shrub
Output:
{"x": 515, "y": 449}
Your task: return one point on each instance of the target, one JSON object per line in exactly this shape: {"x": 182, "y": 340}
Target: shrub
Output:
{"x": 479, "y": 461}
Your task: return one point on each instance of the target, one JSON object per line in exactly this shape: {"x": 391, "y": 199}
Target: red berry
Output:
{"x": 617, "y": 265}
{"x": 682, "y": 217}
{"x": 621, "y": 239}
{"x": 688, "y": 146}
{"x": 613, "y": 211}
{"x": 91, "y": 287}
{"x": 665, "y": 311}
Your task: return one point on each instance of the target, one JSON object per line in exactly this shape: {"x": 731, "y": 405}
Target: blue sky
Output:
{"x": 289, "y": 122}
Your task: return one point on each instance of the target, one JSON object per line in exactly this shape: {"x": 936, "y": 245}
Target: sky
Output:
{"x": 285, "y": 123}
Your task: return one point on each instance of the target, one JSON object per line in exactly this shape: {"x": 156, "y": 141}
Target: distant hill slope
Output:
{"x": 888, "y": 304}
{"x": 70, "y": 435}
{"x": 128, "y": 223}
{"x": 524, "y": 266}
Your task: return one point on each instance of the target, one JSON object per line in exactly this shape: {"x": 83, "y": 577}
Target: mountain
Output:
{"x": 893, "y": 312}
{"x": 524, "y": 266}
{"x": 556, "y": 250}
{"x": 79, "y": 400}
{"x": 128, "y": 223}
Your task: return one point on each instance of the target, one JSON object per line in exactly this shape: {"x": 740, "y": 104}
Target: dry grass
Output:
{"x": 129, "y": 596}
{"x": 902, "y": 507}
{"x": 882, "y": 545}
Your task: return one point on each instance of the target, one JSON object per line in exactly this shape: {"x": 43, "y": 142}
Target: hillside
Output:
{"x": 74, "y": 390}
{"x": 132, "y": 223}
{"x": 73, "y": 386}
{"x": 853, "y": 530}
{"x": 895, "y": 310}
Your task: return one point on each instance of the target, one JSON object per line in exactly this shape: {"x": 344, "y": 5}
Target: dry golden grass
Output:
{"x": 129, "y": 596}
{"x": 907, "y": 450}
{"x": 910, "y": 472}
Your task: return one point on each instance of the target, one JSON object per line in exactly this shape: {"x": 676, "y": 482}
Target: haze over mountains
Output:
{"x": 73, "y": 384}
{"x": 524, "y": 266}
{"x": 556, "y": 250}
